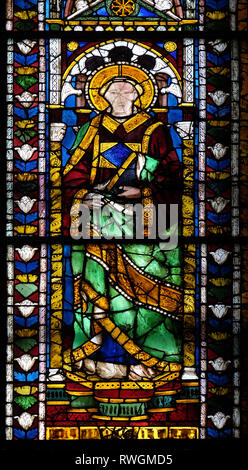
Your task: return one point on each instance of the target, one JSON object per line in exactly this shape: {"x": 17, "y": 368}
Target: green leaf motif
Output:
{"x": 217, "y": 25}
{"x": 25, "y": 135}
{"x": 25, "y": 187}
{"x": 218, "y": 187}
{"x": 219, "y": 292}
{"x": 25, "y": 402}
{"x": 26, "y": 289}
{"x": 25, "y": 344}
{"x": 25, "y": 81}
{"x": 222, "y": 347}
{"x": 217, "y": 81}
{"x": 25, "y": 25}
{"x": 218, "y": 133}
{"x": 216, "y": 402}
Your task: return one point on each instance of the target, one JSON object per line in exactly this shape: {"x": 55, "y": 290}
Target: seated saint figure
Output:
{"x": 127, "y": 296}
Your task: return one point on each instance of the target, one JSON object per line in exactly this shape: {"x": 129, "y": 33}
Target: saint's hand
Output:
{"x": 130, "y": 192}
{"x": 93, "y": 201}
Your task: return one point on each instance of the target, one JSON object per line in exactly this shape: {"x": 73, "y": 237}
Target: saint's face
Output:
{"x": 121, "y": 96}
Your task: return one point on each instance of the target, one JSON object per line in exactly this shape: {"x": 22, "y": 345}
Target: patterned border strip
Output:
{"x": 26, "y": 359}
{"x": 23, "y": 127}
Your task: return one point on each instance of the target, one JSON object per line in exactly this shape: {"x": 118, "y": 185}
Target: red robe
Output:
{"x": 166, "y": 184}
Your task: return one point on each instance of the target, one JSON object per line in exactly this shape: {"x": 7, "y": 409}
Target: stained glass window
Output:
{"x": 126, "y": 219}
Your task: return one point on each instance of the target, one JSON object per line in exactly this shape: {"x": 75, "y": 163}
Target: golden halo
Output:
{"x": 109, "y": 72}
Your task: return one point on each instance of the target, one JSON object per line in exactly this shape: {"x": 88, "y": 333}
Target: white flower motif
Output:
{"x": 26, "y": 361}
{"x": 26, "y": 98}
{"x": 26, "y": 204}
{"x": 220, "y": 255}
{"x": 219, "y": 203}
{"x": 218, "y": 45}
{"x": 219, "y": 419}
{"x": 219, "y": 151}
{"x": 218, "y": 96}
{"x": 26, "y": 307}
{"x": 219, "y": 364}
{"x": 25, "y": 152}
{"x": 219, "y": 310}
{"x": 26, "y": 46}
{"x": 26, "y": 252}
{"x": 25, "y": 420}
